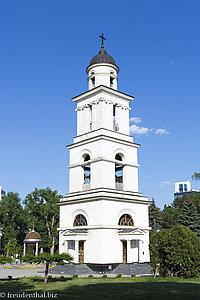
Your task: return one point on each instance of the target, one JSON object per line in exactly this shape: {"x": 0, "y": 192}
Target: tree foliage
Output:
{"x": 13, "y": 222}
{"x": 169, "y": 216}
{"x": 42, "y": 210}
{"x": 154, "y": 252}
{"x": 154, "y": 214}
{"x": 5, "y": 260}
{"x": 196, "y": 176}
{"x": 176, "y": 252}
{"x": 48, "y": 259}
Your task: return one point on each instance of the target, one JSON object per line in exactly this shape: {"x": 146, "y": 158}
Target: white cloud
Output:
{"x": 164, "y": 183}
{"x": 134, "y": 129}
{"x": 135, "y": 120}
{"x": 161, "y": 131}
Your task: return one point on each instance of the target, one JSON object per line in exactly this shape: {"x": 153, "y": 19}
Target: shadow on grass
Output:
{"x": 52, "y": 279}
{"x": 133, "y": 291}
{"x": 14, "y": 286}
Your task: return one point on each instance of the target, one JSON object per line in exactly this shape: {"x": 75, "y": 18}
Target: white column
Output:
{"x": 36, "y": 249}
{"x": 24, "y": 249}
{"x": 126, "y": 120}
{"x": 128, "y": 251}
{"x": 139, "y": 250}
{"x": 76, "y": 256}
{"x": 87, "y": 118}
{"x": 117, "y": 116}
{"x": 78, "y": 112}
{"x": 66, "y": 246}
{"x": 94, "y": 112}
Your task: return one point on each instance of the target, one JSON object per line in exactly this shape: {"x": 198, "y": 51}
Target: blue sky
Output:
{"x": 45, "y": 48}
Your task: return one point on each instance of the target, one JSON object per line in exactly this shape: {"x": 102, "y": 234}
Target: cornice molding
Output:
{"x": 102, "y": 158}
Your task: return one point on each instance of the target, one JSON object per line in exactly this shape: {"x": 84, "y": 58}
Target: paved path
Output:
{"x": 16, "y": 273}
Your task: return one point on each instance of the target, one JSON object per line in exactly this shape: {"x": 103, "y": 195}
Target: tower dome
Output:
{"x": 102, "y": 69}
{"x": 32, "y": 235}
{"x": 103, "y": 58}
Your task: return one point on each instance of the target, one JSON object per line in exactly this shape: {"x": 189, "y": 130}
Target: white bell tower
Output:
{"x": 104, "y": 219}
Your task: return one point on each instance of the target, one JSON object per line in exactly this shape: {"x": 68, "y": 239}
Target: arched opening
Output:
{"x": 80, "y": 220}
{"x": 118, "y": 173}
{"x": 87, "y": 173}
{"x": 126, "y": 220}
{"x": 115, "y": 125}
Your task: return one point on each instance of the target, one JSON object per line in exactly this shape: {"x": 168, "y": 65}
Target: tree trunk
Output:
{"x": 53, "y": 245}
{"x": 155, "y": 272}
{"x": 46, "y": 272}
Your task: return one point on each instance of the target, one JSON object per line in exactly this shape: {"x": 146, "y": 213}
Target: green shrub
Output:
{"x": 90, "y": 276}
{"x": 62, "y": 277}
{"x": 119, "y": 276}
{"x": 75, "y": 276}
{"x": 104, "y": 276}
{"x": 175, "y": 252}
{"x": 133, "y": 275}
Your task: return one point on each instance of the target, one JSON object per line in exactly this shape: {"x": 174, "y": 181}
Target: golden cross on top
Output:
{"x": 103, "y": 38}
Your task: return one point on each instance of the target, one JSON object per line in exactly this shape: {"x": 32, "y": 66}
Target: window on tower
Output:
{"x": 115, "y": 126}
{"x": 126, "y": 220}
{"x": 90, "y": 128}
{"x": 80, "y": 220}
{"x": 111, "y": 81}
{"x": 119, "y": 173}
{"x": 93, "y": 81}
{"x": 87, "y": 173}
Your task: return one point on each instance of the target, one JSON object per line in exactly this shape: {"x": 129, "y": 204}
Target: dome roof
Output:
{"x": 32, "y": 235}
{"x": 102, "y": 57}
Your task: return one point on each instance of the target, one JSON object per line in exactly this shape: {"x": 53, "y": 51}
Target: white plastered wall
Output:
{"x": 103, "y": 171}
{"x": 103, "y": 243}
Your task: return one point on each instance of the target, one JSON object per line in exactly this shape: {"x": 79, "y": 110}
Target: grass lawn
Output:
{"x": 99, "y": 288}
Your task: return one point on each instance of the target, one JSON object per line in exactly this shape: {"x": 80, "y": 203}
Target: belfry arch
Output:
{"x": 119, "y": 180}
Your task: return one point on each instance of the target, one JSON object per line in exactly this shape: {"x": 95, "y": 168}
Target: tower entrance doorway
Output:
{"x": 81, "y": 251}
{"x": 124, "y": 251}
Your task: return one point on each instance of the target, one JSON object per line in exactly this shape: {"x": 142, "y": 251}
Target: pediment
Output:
{"x": 136, "y": 231}
{"x": 70, "y": 232}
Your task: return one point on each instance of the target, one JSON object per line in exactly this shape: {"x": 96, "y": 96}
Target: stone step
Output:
{"x": 81, "y": 269}
{"x": 137, "y": 269}
{"x": 71, "y": 269}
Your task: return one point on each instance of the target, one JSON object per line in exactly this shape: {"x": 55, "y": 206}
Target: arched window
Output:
{"x": 86, "y": 170}
{"x": 118, "y": 173}
{"x": 80, "y": 220}
{"x": 87, "y": 173}
{"x": 115, "y": 125}
{"x": 126, "y": 220}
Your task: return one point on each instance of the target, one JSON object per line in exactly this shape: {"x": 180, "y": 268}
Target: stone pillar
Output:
{"x": 139, "y": 250}
{"x": 66, "y": 246}
{"x": 24, "y": 249}
{"x": 36, "y": 249}
{"x": 76, "y": 256}
{"x": 128, "y": 251}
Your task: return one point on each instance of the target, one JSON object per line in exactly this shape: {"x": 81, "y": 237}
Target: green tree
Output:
{"x": 154, "y": 252}
{"x": 154, "y": 213}
{"x": 179, "y": 252}
{"x": 13, "y": 222}
{"x": 190, "y": 216}
{"x": 48, "y": 259}
{"x": 170, "y": 216}
{"x": 42, "y": 210}
{"x": 196, "y": 176}
{"x": 5, "y": 260}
